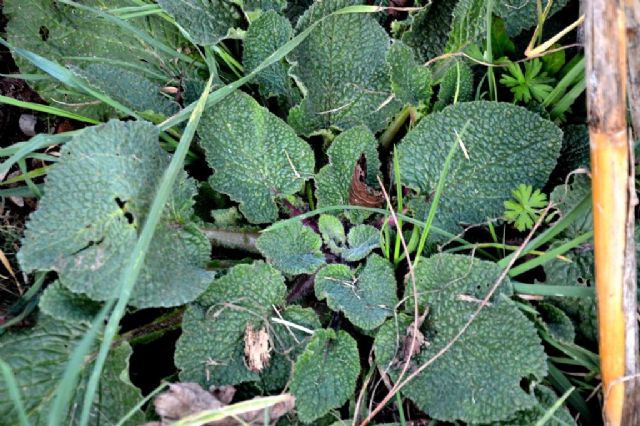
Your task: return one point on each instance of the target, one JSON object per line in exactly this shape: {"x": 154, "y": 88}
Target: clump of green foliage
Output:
{"x": 291, "y": 108}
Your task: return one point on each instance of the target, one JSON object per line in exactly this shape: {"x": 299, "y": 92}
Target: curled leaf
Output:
{"x": 361, "y": 194}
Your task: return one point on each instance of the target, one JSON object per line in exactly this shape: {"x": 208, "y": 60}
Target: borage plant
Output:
{"x": 320, "y": 283}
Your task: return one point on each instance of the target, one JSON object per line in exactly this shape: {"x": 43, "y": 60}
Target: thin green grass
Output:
{"x": 14, "y": 392}
{"x": 46, "y": 109}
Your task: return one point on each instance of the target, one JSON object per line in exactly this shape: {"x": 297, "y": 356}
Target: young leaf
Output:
{"x": 206, "y": 22}
{"x": 410, "y": 81}
{"x": 532, "y": 84}
{"x": 293, "y": 249}
{"x": 210, "y": 350}
{"x": 265, "y": 35}
{"x": 332, "y": 232}
{"x": 524, "y": 211}
{"x": 362, "y": 240}
{"x": 325, "y": 374}
{"x": 334, "y": 179}
{"x": 477, "y": 380}
{"x": 47, "y": 346}
{"x": 96, "y": 200}
{"x": 366, "y": 299}
{"x": 506, "y": 146}
{"x": 61, "y": 304}
{"x": 263, "y": 158}
{"x": 342, "y": 70}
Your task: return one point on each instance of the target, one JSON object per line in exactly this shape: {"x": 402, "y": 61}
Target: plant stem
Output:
{"x": 242, "y": 240}
{"x": 387, "y": 137}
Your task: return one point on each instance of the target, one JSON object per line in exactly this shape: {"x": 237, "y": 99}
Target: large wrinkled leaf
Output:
{"x": 60, "y": 303}
{"x": 263, "y": 158}
{"x": 430, "y": 29}
{"x": 288, "y": 343}
{"x": 325, "y": 374}
{"x": 95, "y": 203}
{"x": 66, "y": 35}
{"x": 410, "y": 81}
{"x": 478, "y": 379}
{"x": 210, "y": 350}
{"x": 342, "y": 69}
{"x": 467, "y": 24}
{"x": 520, "y": 15}
{"x": 334, "y": 179}
{"x": 129, "y": 88}
{"x": 265, "y": 36}
{"x": 206, "y": 21}
{"x": 38, "y": 357}
{"x": 506, "y": 145}
{"x": 294, "y": 249}
{"x": 366, "y": 298}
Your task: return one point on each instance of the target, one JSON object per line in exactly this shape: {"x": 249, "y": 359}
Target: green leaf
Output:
{"x": 206, "y": 22}
{"x": 575, "y": 152}
{"x": 507, "y": 145}
{"x": 68, "y": 35}
{"x": 129, "y": 88}
{"x": 332, "y": 232}
{"x": 362, "y": 240}
{"x": 210, "y": 350}
{"x": 546, "y": 398}
{"x": 96, "y": 200}
{"x": 263, "y": 160}
{"x": 477, "y": 380}
{"x": 288, "y": 343}
{"x": 58, "y": 302}
{"x": 430, "y": 29}
{"x": 467, "y": 24}
{"x": 525, "y": 210}
{"x": 456, "y": 85}
{"x": 254, "y": 8}
{"x": 565, "y": 197}
{"x": 334, "y": 180}
{"x": 366, "y": 299}
{"x": 410, "y": 81}
{"x": 38, "y": 357}
{"x": 519, "y": 15}
{"x": 325, "y": 374}
{"x": 265, "y": 36}
{"x": 556, "y": 322}
{"x": 340, "y": 90}
{"x": 293, "y": 249}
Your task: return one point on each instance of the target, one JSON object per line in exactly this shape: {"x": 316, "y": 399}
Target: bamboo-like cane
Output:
{"x": 613, "y": 195}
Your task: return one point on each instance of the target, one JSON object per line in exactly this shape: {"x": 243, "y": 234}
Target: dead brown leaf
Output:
{"x": 361, "y": 194}
{"x": 186, "y": 399}
{"x": 257, "y": 350}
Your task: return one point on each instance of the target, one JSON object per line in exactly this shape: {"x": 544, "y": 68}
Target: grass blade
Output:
{"x": 14, "y": 392}
{"x": 549, "y": 414}
{"x": 554, "y": 290}
{"x": 46, "y": 109}
{"x": 35, "y": 143}
{"x": 134, "y": 265}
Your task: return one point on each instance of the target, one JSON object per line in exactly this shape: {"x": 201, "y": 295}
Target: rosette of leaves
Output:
{"x": 367, "y": 298}
{"x": 263, "y": 159}
{"x": 477, "y": 379}
{"x": 95, "y": 204}
{"x": 44, "y": 27}
{"x": 342, "y": 72}
{"x": 39, "y": 356}
{"x": 501, "y": 146}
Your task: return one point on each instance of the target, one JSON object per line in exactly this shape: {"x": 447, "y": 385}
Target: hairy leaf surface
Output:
{"x": 68, "y": 35}
{"x": 366, "y": 298}
{"x": 210, "y": 350}
{"x": 325, "y": 374}
{"x": 293, "y": 249}
{"x": 410, "y": 81}
{"x": 456, "y": 86}
{"x": 506, "y": 145}
{"x": 265, "y": 35}
{"x": 430, "y": 29}
{"x": 60, "y": 303}
{"x": 362, "y": 240}
{"x": 262, "y": 159}
{"x": 38, "y": 358}
{"x": 342, "y": 70}
{"x": 206, "y": 21}
{"x": 96, "y": 201}
{"x": 478, "y": 378}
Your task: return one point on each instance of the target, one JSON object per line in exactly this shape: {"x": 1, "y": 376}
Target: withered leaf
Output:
{"x": 361, "y": 194}
{"x": 257, "y": 351}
